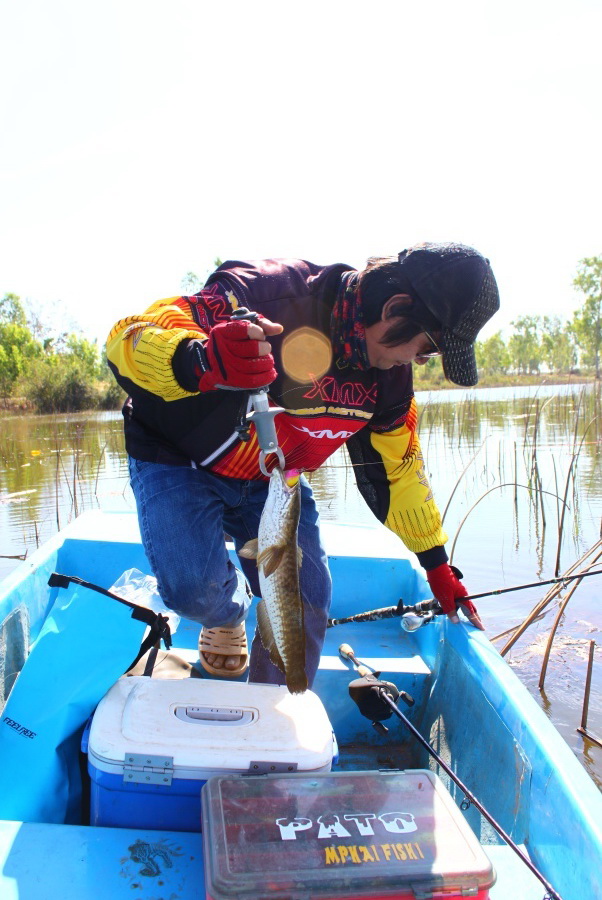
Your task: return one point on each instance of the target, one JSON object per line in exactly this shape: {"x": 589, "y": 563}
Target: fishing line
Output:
{"x": 560, "y": 580}
{"x": 390, "y": 612}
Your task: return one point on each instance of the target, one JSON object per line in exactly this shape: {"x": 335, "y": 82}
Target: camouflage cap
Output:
{"x": 457, "y": 286}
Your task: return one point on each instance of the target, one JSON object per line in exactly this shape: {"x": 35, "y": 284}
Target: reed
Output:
{"x": 588, "y": 683}
{"x": 557, "y": 620}
{"x": 570, "y": 478}
{"x": 511, "y": 630}
{"x": 101, "y": 457}
{"x": 497, "y": 487}
{"x": 57, "y": 505}
{"x": 539, "y": 608}
{"x": 460, "y": 477}
{"x": 543, "y": 465}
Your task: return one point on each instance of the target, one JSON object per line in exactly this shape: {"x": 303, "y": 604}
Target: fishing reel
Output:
{"x": 367, "y": 692}
{"x": 423, "y": 613}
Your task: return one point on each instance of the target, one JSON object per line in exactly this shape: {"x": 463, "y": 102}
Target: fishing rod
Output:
{"x": 389, "y": 612}
{"x": 376, "y": 700}
{"x": 560, "y": 580}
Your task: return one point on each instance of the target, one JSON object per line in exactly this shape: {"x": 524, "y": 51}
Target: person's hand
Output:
{"x": 449, "y": 591}
{"x": 238, "y": 356}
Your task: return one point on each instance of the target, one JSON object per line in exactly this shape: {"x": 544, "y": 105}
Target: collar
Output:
{"x": 347, "y": 326}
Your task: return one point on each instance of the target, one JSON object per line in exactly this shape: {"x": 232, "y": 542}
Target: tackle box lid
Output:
{"x": 339, "y": 835}
{"x": 210, "y": 725}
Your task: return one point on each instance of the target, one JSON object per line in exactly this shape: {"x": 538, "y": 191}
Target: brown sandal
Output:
{"x": 224, "y": 641}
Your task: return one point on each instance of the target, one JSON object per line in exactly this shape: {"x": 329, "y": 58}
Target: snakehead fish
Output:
{"x": 280, "y": 611}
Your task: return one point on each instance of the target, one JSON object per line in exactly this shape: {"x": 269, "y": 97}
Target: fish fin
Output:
{"x": 250, "y": 549}
{"x": 299, "y": 557}
{"x": 270, "y": 559}
{"x": 296, "y": 679}
{"x": 267, "y": 635}
{"x": 297, "y": 682}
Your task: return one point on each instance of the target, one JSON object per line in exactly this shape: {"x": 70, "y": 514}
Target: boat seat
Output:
{"x": 514, "y": 879}
{"x": 409, "y": 665}
{"x": 397, "y": 661}
{"x": 179, "y": 663}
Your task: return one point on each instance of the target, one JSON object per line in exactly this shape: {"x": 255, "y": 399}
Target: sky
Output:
{"x": 141, "y": 139}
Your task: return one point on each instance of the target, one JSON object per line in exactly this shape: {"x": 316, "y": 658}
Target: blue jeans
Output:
{"x": 183, "y": 513}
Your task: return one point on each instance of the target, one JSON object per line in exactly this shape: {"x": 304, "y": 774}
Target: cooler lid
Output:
{"x": 210, "y": 724}
{"x": 347, "y": 834}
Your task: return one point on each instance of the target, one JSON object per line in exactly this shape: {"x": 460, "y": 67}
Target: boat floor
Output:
{"x": 39, "y": 862}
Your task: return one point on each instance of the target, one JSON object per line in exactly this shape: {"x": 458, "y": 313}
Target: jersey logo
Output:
{"x": 325, "y": 433}
{"x": 351, "y": 393}
{"x": 219, "y": 307}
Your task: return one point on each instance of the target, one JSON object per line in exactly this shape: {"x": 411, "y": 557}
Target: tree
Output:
{"x": 431, "y": 371}
{"x": 86, "y": 352}
{"x": 492, "y": 355}
{"x": 58, "y": 371}
{"x": 558, "y": 344}
{"x": 12, "y": 311}
{"x": 59, "y": 384}
{"x": 524, "y": 345}
{"x": 17, "y": 347}
{"x": 587, "y": 321}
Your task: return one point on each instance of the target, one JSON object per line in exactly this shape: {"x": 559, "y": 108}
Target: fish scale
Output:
{"x": 280, "y": 611}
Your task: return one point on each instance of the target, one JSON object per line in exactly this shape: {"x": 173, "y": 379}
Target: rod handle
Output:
{"x": 346, "y": 651}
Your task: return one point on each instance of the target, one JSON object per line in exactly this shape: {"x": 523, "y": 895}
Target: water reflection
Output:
{"x": 503, "y": 463}
{"x": 53, "y": 468}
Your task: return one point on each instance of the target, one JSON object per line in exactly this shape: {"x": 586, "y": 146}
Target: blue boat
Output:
{"x": 58, "y": 840}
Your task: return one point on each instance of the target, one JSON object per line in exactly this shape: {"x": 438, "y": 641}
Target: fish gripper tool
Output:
{"x": 261, "y": 415}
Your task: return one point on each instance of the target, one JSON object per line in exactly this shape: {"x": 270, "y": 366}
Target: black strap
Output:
{"x": 151, "y": 661}
{"x": 158, "y": 624}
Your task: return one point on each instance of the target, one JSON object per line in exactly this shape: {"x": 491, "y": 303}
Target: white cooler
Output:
{"x": 153, "y": 743}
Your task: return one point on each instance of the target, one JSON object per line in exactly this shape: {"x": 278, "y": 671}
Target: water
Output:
{"x": 503, "y": 464}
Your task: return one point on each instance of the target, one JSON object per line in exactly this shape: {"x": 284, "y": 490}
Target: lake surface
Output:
{"x": 503, "y": 463}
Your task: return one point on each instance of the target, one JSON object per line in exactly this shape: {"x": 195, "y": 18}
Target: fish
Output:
{"x": 280, "y": 610}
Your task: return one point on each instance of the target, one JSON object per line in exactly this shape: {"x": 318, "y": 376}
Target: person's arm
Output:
{"x": 141, "y": 349}
{"x": 392, "y": 478}
{"x": 391, "y": 475}
{"x": 175, "y": 350}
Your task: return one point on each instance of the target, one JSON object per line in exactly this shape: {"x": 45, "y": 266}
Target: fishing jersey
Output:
{"x": 326, "y": 401}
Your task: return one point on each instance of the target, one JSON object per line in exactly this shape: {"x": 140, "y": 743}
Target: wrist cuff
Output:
{"x": 189, "y": 362}
{"x": 430, "y": 559}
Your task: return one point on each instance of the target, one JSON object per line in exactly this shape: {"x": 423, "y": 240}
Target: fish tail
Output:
{"x": 296, "y": 681}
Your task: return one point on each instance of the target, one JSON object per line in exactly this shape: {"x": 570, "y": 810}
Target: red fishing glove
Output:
{"x": 230, "y": 359}
{"x": 449, "y": 591}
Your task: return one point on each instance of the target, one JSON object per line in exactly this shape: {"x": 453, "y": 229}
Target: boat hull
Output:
{"x": 468, "y": 704}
